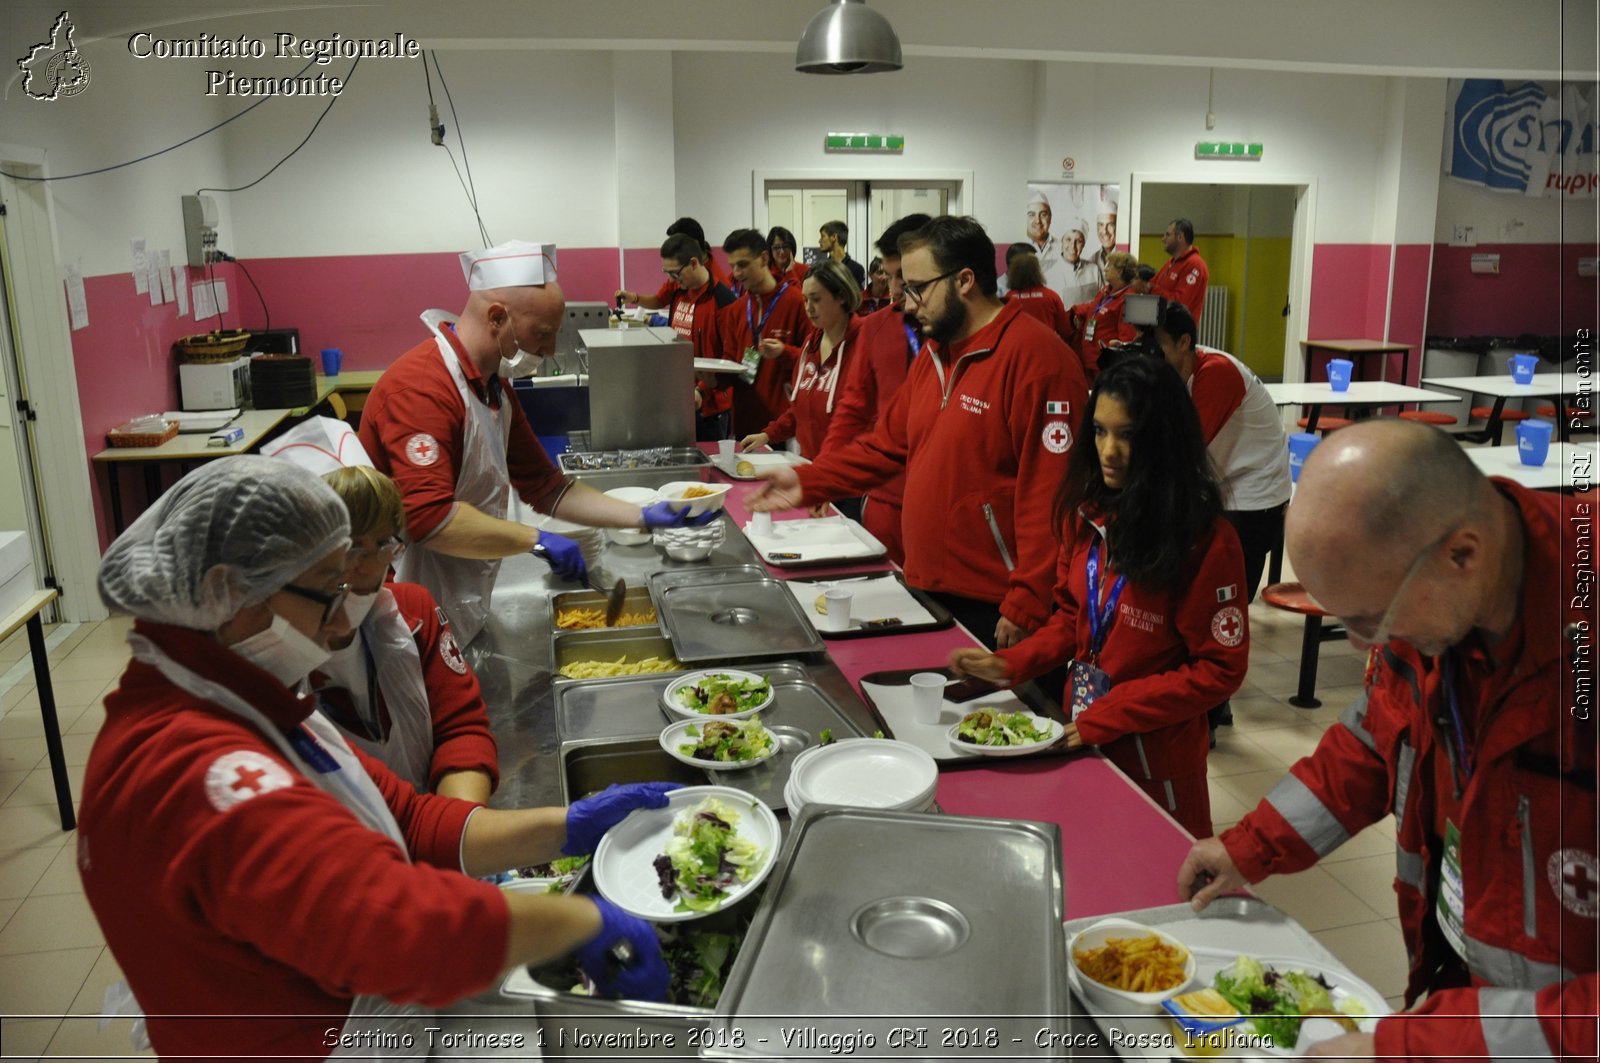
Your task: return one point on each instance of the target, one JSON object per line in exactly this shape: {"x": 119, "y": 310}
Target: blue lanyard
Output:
{"x": 1447, "y": 679}
{"x": 1102, "y": 304}
{"x": 913, "y": 341}
{"x": 750, "y": 312}
{"x": 1100, "y": 619}
{"x": 311, "y": 751}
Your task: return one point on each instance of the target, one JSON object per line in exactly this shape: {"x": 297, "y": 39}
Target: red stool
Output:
{"x": 1326, "y": 424}
{"x": 1574, "y": 413}
{"x": 1487, "y": 412}
{"x": 1292, "y": 598}
{"x": 1427, "y": 417}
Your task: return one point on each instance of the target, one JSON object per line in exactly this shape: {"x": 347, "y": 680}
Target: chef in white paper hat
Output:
{"x": 1105, "y": 229}
{"x": 396, "y": 684}
{"x": 445, "y": 427}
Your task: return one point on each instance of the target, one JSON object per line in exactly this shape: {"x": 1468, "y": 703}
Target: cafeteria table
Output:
{"x": 1568, "y": 465}
{"x": 1502, "y": 387}
{"x": 27, "y": 613}
{"x": 1355, "y": 350}
{"x": 1361, "y": 393}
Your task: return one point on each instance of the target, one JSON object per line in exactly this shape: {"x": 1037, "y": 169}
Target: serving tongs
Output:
{"x": 614, "y": 596}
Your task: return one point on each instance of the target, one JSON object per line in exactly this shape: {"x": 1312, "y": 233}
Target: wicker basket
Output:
{"x": 118, "y": 438}
{"x": 212, "y": 346}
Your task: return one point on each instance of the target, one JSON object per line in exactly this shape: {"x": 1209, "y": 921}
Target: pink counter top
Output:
{"x": 1119, "y": 850}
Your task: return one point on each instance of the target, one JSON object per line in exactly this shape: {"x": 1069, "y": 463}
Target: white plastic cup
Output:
{"x": 838, "y": 617}
{"x": 725, "y": 448}
{"x": 761, "y": 523}
{"x": 927, "y": 696}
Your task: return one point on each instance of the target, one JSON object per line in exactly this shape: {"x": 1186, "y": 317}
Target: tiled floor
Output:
{"x": 53, "y": 961}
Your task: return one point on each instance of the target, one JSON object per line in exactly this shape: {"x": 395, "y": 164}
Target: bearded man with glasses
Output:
{"x": 1475, "y": 731}
{"x": 982, "y": 430}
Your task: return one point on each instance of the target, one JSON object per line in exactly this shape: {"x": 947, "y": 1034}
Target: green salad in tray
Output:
{"x": 706, "y": 857}
{"x": 987, "y": 727}
{"x": 718, "y": 694}
{"x": 728, "y": 741}
{"x": 1276, "y": 1002}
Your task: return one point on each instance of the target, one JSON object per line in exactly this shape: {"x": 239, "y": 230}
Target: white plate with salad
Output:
{"x": 719, "y": 743}
{"x": 724, "y": 693}
{"x": 991, "y": 732}
{"x": 666, "y": 865}
{"x": 1295, "y": 992}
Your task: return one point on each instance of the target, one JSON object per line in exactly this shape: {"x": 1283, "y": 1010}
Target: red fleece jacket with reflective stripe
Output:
{"x": 972, "y": 426}
{"x": 1527, "y": 814}
{"x": 282, "y": 908}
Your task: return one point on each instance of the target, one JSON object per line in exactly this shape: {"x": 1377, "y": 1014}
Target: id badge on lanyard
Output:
{"x": 1086, "y": 682}
{"x": 1451, "y": 905}
{"x": 752, "y": 353}
{"x": 1088, "y": 330}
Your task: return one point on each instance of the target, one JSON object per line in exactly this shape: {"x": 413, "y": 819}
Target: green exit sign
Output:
{"x": 1223, "y": 149}
{"x": 865, "y": 142}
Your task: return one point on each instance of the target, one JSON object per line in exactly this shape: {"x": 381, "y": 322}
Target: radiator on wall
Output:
{"x": 1214, "y": 319}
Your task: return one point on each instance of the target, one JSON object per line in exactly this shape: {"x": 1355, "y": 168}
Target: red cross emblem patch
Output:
{"x": 451, "y": 652}
{"x": 236, "y": 777}
{"x": 1227, "y": 627}
{"x": 422, "y": 450}
{"x": 1057, "y": 437}
{"x": 1575, "y": 877}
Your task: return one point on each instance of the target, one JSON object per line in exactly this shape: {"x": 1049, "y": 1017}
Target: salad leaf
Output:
{"x": 718, "y": 694}
{"x": 1276, "y": 1001}
{"x": 705, "y": 857}
{"x": 986, "y": 727}
{"x": 728, "y": 741}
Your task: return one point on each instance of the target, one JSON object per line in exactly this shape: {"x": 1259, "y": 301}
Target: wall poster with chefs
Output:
{"x": 1072, "y": 226}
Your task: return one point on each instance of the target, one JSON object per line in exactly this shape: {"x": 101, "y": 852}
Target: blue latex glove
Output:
{"x": 624, "y": 959}
{"x": 662, "y": 515}
{"x": 591, "y": 817}
{"x": 566, "y": 559}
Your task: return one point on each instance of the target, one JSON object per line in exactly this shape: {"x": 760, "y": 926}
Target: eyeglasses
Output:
{"x": 388, "y": 549}
{"x": 914, "y": 289}
{"x": 1380, "y": 634}
{"x": 330, "y": 602}
{"x": 674, "y": 273}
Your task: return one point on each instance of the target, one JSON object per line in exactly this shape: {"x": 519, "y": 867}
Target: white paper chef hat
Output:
{"x": 1108, "y": 206}
{"x": 513, "y": 264}
{"x": 1038, "y": 197}
{"x": 320, "y": 444}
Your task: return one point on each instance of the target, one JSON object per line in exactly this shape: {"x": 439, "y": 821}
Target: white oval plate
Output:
{"x": 669, "y": 696}
{"x": 1054, "y": 726}
{"x": 624, "y": 862}
{"x": 677, "y": 734}
{"x": 1345, "y": 986}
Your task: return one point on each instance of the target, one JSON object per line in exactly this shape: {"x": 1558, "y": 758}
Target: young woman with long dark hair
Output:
{"x": 1150, "y": 605}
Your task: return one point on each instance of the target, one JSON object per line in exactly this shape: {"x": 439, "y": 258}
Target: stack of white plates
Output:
{"x": 863, "y": 773}
{"x": 590, "y": 540}
{"x": 638, "y": 496}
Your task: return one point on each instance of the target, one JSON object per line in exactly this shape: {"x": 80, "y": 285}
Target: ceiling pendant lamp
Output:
{"x": 847, "y": 37}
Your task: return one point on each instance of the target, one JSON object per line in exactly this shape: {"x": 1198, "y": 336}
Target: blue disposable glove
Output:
{"x": 564, "y": 555}
{"x": 662, "y": 515}
{"x": 624, "y": 959}
{"x": 591, "y": 817}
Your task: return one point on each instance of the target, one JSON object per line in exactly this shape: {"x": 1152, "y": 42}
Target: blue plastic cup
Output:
{"x": 1523, "y": 367}
{"x": 1533, "y": 441}
{"x": 1339, "y": 370}
{"x": 332, "y": 359}
{"x": 1300, "y": 447}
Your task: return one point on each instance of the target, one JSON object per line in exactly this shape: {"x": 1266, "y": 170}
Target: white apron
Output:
{"x": 353, "y": 788}
{"x": 396, "y": 665}
{"x": 461, "y": 585}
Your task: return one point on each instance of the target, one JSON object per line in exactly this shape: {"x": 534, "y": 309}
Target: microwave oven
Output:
{"x": 214, "y": 385}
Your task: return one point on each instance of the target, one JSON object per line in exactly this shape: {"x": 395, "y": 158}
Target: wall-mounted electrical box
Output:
{"x": 1589, "y": 267}
{"x": 199, "y": 228}
{"x": 1486, "y": 263}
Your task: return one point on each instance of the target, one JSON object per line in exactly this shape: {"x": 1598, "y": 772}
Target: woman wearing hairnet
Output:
{"x": 265, "y": 888}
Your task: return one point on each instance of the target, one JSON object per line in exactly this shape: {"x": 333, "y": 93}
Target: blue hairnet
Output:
{"x": 226, "y": 536}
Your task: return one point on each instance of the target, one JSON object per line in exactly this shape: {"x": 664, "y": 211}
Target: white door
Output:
{"x": 867, "y": 205}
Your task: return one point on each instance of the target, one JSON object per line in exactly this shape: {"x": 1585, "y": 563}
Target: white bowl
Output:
{"x": 669, "y": 696}
{"x": 691, "y": 544}
{"x": 672, "y": 494}
{"x": 638, "y": 496}
{"x": 1108, "y": 999}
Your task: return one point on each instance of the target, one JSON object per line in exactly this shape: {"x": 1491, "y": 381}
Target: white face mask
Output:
{"x": 283, "y": 652}
{"x": 357, "y": 606}
{"x": 519, "y": 362}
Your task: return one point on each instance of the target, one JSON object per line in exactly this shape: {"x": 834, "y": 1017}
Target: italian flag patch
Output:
{"x": 1062, "y": 408}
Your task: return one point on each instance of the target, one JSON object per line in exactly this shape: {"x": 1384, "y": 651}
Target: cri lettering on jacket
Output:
{"x": 974, "y": 405}
{"x": 810, "y": 379}
{"x": 1142, "y": 619}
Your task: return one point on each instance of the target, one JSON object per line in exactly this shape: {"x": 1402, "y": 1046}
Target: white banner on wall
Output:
{"x": 1072, "y": 227}
{"x": 1527, "y": 139}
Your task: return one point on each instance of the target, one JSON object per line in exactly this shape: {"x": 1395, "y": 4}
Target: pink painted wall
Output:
{"x": 1349, "y": 292}
{"x": 1537, "y": 290}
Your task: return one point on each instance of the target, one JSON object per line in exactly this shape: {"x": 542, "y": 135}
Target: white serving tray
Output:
{"x": 874, "y": 597}
{"x": 760, "y": 459}
{"x": 815, "y": 541}
{"x": 894, "y": 705}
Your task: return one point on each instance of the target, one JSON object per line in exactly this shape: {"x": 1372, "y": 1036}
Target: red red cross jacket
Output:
{"x": 1102, "y": 325}
{"x": 816, "y": 391}
{"x": 1184, "y": 280}
{"x": 989, "y": 422}
{"x": 1526, "y": 815}
{"x": 269, "y": 913}
{"x": 756, "y": 404}
{"x": 1170, "y": 655}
